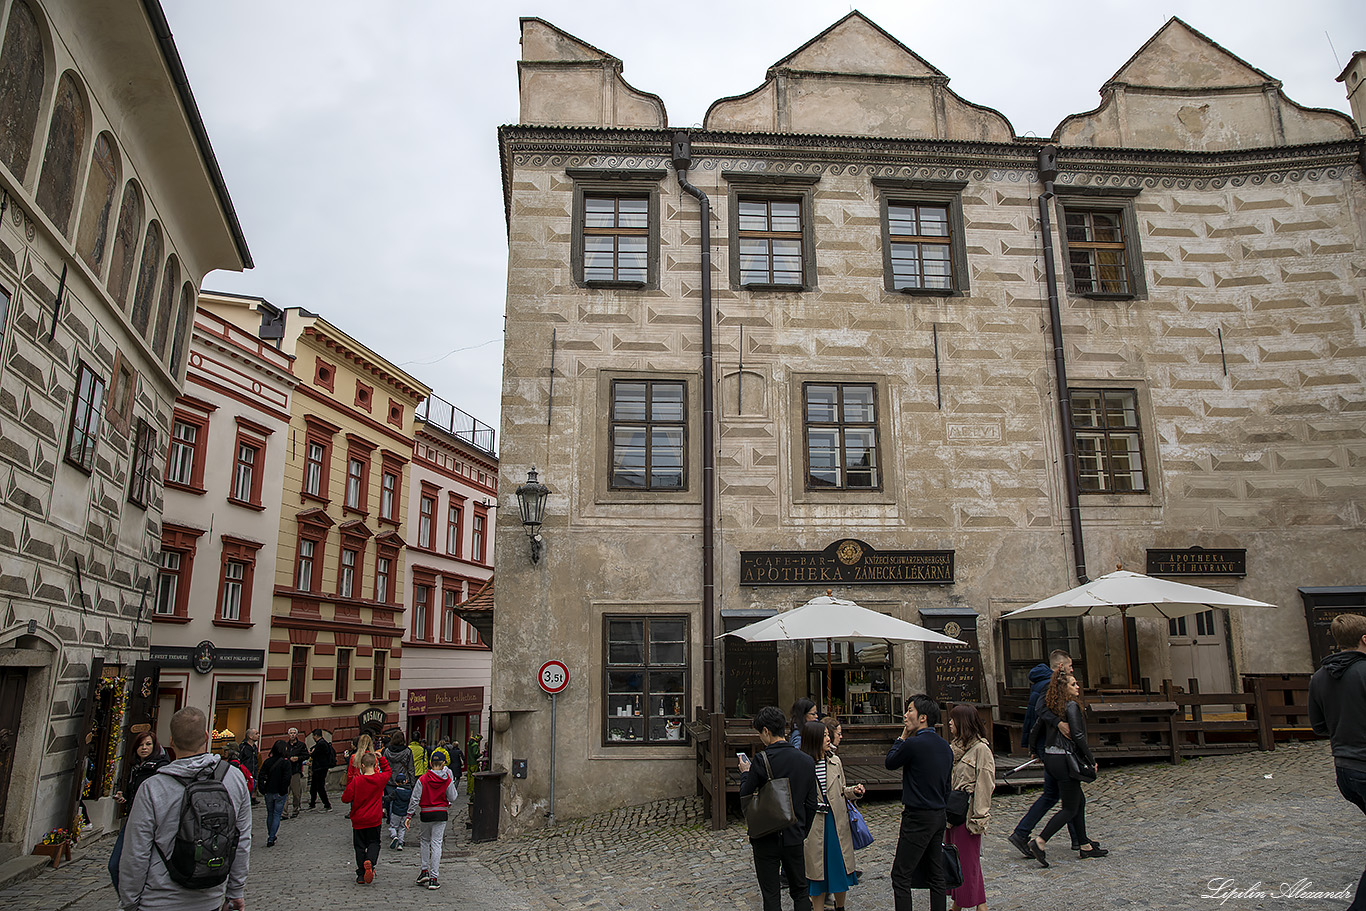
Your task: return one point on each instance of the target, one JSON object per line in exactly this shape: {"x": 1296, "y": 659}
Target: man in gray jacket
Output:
{"x": 144, "y": 883}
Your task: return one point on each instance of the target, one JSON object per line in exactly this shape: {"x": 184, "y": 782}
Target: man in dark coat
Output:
{"x": 323, "y": 757}
{"x": 249, "y": 754}
{"x": 1039, "y": 677}
{"x": 1337, "y": 710}
{"x": 926, "y": 763}
{"x": 297, "y": 751}
{"x": 782, "y": 850}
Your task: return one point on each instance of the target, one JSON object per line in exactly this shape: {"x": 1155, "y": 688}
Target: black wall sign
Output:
{"x": 846, "y": 562}
{"x": 750, "y": 677}
{"x": 953, "y": 673}
{"x": 1197, "y": 561}
{"x": 205, "y": 657}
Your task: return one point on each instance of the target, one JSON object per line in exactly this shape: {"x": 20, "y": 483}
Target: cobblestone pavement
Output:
{"x": 1251, "y": 821}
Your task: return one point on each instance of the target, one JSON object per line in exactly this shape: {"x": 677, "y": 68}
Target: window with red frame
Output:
{"x": 477, "y": 536}
{"x": 349, "y": 576}
{"x": 448, "y": 618}
{"x": 235, "y": 580}
{"x": 298, "y": 673}
{"x": 388, "y": 496}
{"x": 426, "y": 508}
{"x": 379, "y": 684}
{"x": 185, "y": 455}
{"x": 315, "y": 467}
{"x": 308, "y": 561}
{"x": 422, "y": 599}
{"x": 176, "y": 565}
{"x": 455, "y": 515}
{"x": 357, "y": 479}
{"x": 247, "y": 469}
{"x": 383, "y": 568}
{"x": 341, "y": 688}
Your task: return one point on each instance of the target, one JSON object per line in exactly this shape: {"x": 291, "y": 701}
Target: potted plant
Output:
{"x": 56, "y": 845}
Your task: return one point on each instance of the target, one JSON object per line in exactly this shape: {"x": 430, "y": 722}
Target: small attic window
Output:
{"x": 395, "y": 413}
{"x": 364, "y": 395}
{"x": 324, "y": 374}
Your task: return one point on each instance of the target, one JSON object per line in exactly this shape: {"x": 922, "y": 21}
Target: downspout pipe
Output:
{"x": 1048, "y": 172}
{"x": 682, "y": 161}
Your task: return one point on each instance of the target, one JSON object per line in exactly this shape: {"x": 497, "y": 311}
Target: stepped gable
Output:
{"x": 856, "y": 79}
{"x": 565, "y": 81}
{"x": 1181, "y": 90}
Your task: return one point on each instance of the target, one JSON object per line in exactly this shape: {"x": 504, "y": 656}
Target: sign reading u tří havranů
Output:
{"x": 846, "y": 562}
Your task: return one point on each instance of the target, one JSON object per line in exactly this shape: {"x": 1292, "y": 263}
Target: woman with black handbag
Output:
{"x": 829, "y": 849}
{"x": 1068, "y": 759}
{"x": 974, "y": 775}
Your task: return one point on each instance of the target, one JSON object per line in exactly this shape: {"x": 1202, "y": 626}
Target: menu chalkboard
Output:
{"x": 953, "y": 673}
{"x": 750, "y": 677}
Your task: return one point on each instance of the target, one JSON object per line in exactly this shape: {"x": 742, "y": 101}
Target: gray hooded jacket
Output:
{"x": 155, "y": 816}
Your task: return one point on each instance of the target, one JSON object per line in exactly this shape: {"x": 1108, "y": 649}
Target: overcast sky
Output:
{"x": 359, "y": 139}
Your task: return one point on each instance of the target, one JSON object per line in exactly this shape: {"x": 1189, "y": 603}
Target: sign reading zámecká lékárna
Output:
{"x": 846, "y": 562}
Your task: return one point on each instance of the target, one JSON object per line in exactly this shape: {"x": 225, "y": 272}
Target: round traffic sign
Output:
{"x": 553, "y": 677}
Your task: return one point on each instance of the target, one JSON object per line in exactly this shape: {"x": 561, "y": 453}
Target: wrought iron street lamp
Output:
{"x": 531, "y": 498}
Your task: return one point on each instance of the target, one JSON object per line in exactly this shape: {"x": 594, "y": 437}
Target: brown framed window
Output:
{"x": 235, "y": 581}
{"x": 379, "y": 683}
{"x": 308, "y": 559}
{"x": 770, "y": 235}
{"x": 480, "y": 519}
{"x": 455, "y": 518}
{"x": 449, "y": 621}
{"x": 230, "y": 597}
{"x": 357, "y": 482}
{"x": 1028, "y": 643}
{"x": 315, "y": 467}
{"x": 247, "y": 470}
{"x": 298, "y": 673}
{"x": 185, "y": 454}
{"x": 426, "y": 510}
{"x": 341, "y": 686}
{"x": 383, "y": 567}
{"x": 140, "y": 472}
{"x": 921, "y": 244}
{"x": 646, "y": 679}
{"x": 616, "y": 238}
{"x": 841, "y": 436}
{"x": 1095, "y": 252}
{"x": 346, "y": 575}
{"x": 86, "y": 412}
{"x": 170, "y": 583}
{"x": 649, "y": 435}
{"x": 1108, "y": 440}
{"x": 388, "y": 496}
{"x": 422, "y": 600}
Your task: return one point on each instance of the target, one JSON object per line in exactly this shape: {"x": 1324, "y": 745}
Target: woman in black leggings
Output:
{"x": 1062, "y": 703}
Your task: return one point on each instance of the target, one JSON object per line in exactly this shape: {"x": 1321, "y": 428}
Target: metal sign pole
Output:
{"x": 552, "y": 759}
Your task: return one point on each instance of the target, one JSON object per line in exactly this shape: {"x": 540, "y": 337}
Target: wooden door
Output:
{"x": 12, "y": 681}
{"x": 1199, "y": 649}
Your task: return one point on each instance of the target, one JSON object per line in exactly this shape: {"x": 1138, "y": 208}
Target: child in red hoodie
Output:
{"x": 365, "y": 793}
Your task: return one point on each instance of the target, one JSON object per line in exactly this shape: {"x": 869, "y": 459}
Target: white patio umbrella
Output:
{"x": 830, "y": 618}
{"x": 1126, "y": 594}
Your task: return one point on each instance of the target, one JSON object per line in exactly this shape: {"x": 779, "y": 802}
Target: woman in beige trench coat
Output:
{"x": 829, "y": 849}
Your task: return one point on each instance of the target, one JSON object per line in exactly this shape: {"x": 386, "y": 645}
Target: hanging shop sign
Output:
{"x": 451, "y": 700}
{"x": 846, "y": 562}
{"x": 206, "y": 657}
{"x": 1197, "y": 561}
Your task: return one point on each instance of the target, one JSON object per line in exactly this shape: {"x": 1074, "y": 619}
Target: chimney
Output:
{"x": 1355, "y": 77}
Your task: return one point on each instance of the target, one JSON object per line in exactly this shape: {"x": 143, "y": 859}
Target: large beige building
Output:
{"x": 112, "y": 209}
{"x": 856, "y": 386}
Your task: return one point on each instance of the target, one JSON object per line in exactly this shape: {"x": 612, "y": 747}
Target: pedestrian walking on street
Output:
{"x": 433, "y": 796}
{"x": 782, "y": 850}
{"x": 234, "y": 756}
{"x": 1062, "y": 705}
{"x": 321, "y": 758}
{"x": 829, "y": 849}
{"x": 803, "y": 710}
{"x": 276, "y": 776}
{"x": 1337, "y": 710}
{"x": 974, "y": 771}
{"x": 1039, "y": 678}
{"x": 419, "y": 758}
{"x": 149, "y": 757}
{"x": 249, "y": 754}
{"x": 926, "y": 764}
{"x": 400, "y": 790}
{"x": 298, "y": 753}
{"x": 171, "y": 860}
{"x": 365, "y": 793}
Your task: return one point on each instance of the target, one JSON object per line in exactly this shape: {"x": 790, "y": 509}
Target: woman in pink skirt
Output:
{"x": 974, "y": 771}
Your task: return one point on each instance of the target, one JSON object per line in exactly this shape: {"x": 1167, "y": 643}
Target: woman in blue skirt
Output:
{"x": 829, "y": 850}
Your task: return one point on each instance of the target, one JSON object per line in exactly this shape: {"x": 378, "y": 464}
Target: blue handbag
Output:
{"x": 858, "y": 828}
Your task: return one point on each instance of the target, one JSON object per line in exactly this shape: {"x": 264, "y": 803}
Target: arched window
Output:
{"x": 64, "y": 153}
{"x": 182, "y": 321}
{"x": 147, "y": 279}
{"x": 169, "y": 282}
{"x": 92, "y": 240}
{"x": 21, "y": 87}
{"x": 125, "y": 243}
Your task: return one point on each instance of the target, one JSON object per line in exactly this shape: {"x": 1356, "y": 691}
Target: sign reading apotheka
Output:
{"x": 450, "y": 700}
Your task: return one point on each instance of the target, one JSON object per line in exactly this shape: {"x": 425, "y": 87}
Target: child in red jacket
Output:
{"x": 365, "y": 793}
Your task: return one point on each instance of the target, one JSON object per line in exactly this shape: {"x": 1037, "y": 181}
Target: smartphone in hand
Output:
{"x": 742, "y": 757}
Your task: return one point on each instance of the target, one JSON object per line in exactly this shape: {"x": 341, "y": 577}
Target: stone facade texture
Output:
{"x": 1243, "y": 344}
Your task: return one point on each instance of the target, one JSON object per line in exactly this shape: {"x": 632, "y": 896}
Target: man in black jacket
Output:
{"x": 1337, "y": 710}
{"x": 322, "y": 758}
{"x": 783, "y": 849}
{"x": 926, "y": 762}
{"x": 297, "y": 751}
{"x": 249, "y": 754}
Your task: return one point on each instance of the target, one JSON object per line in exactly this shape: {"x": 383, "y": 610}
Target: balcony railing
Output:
{"x": 439, "y": 413}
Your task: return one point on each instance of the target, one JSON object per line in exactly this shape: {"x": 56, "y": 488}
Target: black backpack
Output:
{"x": 206, "y": 842}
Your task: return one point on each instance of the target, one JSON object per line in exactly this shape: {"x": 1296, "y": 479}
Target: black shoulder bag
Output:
{"x": 769, "y": 809}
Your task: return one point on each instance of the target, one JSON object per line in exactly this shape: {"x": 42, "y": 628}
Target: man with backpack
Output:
{"x": 187, "y": 843}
